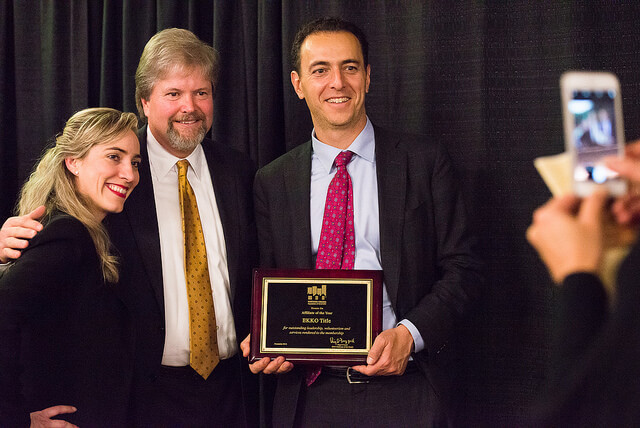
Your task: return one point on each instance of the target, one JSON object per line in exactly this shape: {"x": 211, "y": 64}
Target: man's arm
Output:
{"x": 457, "y": 273}
{"x": 458, "y": 268}
{"x": 16, "y": 232}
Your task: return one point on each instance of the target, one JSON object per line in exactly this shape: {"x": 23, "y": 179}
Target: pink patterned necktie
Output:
{"x": 337, "y": 247}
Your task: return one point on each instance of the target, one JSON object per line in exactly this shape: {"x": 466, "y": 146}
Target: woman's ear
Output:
{"x": 72, "y": 165}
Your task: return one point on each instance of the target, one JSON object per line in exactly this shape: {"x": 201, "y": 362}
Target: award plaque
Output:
{"x": 315, "y": 316}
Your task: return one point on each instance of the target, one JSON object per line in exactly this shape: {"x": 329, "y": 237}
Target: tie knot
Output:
{"x": 343, "y": 158}
{"x": 182, "y": 165}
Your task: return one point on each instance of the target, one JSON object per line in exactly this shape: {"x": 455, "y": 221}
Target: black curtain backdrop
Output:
{"x": 482, "y": 76}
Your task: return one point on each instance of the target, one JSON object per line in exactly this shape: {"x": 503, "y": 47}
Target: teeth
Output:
{"x": 186, "y": 121}
{"x": 338, "y": 100}
{"x": 117, "y": 189}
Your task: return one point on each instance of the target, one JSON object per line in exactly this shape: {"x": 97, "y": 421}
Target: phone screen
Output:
{"x": 594, "y": 133}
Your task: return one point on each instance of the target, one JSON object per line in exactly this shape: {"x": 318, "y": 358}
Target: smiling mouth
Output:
{"x": 120, "y": 191}
{"x": 338, "y": 100}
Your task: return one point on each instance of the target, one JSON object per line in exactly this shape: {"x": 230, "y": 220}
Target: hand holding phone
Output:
{"x": 593, "y": 128}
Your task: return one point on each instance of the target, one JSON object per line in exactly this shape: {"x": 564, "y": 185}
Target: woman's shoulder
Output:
{"x": 64, "y": 229}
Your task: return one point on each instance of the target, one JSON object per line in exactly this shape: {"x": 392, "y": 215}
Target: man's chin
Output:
{"x": 183, "y": 142}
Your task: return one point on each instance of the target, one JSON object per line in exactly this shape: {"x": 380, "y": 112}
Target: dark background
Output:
{"x": 482, "y": 76}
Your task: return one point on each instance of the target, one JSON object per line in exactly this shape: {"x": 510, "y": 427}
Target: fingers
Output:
{"x": 57, "y": 410}
{"x": 259, "y": 366}
{"x": 16, "y": 231}
{"x": 43, "y": 417}
{"x": 389, "y": 353}
{"x": 378, "y": 347}
{"x": 626, "y": 167}
{"x": 27, "y": 221}
{"x": 365, "y": 370}
{"x": 267, "y": 366}
{"x": 12, "y": 240}
{"x": 7, "y": 254}
{"x": 627, "y": 209}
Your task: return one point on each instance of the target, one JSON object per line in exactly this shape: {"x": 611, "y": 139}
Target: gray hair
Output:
{"x": 168, "y": 50}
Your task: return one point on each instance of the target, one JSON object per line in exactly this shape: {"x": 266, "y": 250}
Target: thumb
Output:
{"x": 245, "y": 346}
{"x": 37, "y": 213}
{"x": 376, "y": 350}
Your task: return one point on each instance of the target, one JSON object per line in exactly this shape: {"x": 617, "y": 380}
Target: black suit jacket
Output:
{"x": 135, "y": 235}
{"x": 431, "y": 270}
{"x": 596, "y": 356}
{"x": 65, "y": 336}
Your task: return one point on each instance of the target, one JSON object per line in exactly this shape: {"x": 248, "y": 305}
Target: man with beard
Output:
{"x": 182, "y": 375}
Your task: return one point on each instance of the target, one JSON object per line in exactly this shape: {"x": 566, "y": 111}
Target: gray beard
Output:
{"x": 185, "y": 144}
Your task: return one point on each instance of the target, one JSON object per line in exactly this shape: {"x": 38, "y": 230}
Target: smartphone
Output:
{"x": 593, "y": 129}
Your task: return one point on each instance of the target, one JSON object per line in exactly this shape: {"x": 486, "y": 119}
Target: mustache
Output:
{"x": 188, "y": 117}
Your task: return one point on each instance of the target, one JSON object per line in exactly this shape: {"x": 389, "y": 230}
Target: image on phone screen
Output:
{"x": 594, "y": 133}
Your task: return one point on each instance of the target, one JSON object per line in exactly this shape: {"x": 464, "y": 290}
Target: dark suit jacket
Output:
{"x": 430, "y": 268}
{"x": 65, "y": 336}
{"x": 134, "y": 232}
{"x": 596, "y": 359}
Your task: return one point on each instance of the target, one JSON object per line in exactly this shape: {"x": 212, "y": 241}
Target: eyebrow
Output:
{"x": 118, "y": 149}
{"x": 204, "y": 88}
{"x": 346, "y": 61}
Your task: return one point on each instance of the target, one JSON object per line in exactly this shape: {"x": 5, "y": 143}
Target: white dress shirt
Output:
{"x": 362, "y": 170}
{"x": 164, "y": 174}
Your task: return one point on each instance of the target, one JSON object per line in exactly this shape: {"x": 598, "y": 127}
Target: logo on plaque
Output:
{"x": 317, "y": 295}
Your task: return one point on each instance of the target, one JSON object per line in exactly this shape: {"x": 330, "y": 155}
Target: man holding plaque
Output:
{"x": 404, "y": 215}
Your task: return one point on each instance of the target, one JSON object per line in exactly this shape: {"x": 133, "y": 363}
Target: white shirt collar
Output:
{"x": 363, "y": 146}
{"x": 162, "y": 162}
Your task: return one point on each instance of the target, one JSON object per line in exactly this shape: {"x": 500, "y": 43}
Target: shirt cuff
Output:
{"x": 418, "y": 343}
{"x": 4, "y": 267}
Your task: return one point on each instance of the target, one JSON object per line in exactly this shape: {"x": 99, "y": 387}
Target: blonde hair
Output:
{"x": 168, "y": 50}
{"x": 51, "y": 184}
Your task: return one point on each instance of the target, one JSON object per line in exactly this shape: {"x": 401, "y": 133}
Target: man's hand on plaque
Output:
{"x": 389, "y": 353}
{"x": 265, "y": 365}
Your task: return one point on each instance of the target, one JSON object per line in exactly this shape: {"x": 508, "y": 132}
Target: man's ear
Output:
{"x": 368, "y": 81}
{"x": 145, "y": 105}
{"x": 295, "y": 81}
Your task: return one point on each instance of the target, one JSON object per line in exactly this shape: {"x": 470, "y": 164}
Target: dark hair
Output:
{"x": 327, "y": 25}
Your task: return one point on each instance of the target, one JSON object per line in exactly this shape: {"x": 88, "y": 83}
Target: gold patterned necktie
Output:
{"x": 203, "y": 341}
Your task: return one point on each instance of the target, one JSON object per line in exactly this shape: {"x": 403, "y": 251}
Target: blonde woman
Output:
{"x": 65, "y": 337}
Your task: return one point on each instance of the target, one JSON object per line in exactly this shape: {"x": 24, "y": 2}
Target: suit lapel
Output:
{"x": 140, "y": 210}
{"x": 226, "y": 189}
{"x": 297, "y": 181}
{"x": 391, "y": 167}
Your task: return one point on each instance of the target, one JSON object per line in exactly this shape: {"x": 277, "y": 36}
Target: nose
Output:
{"x": 128, "y": 172}
{"x": 187, "y": 103}
{"x": 336, "y": 80}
